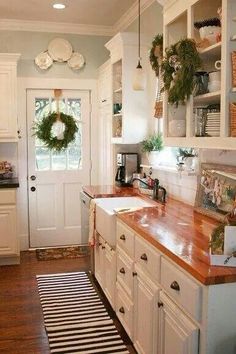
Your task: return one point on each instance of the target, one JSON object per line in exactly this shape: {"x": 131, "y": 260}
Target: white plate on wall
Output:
{"x": 60, "y": 49}
{"x": 76, "y": 61}
{"x": 43, "y": 60}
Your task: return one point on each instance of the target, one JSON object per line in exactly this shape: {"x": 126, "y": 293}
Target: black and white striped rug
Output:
{"x": 75, "y": 317}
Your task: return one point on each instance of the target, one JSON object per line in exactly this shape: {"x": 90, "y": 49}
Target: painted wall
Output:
{"x": 30, "y": 44}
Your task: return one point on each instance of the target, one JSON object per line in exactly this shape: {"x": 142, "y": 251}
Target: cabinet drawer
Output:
{"x": 181, "y": 288}
{"x": 8, "y": 196}
{"x": 125, "y": 239}
{"x": 148, "y": 258}
{"x": 124, "y": 310}
{"x": 125, "y": 272}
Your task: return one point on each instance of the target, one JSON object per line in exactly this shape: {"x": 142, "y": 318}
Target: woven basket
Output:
{"x": 232, "y": 110}
{"x": 233, "y": 58}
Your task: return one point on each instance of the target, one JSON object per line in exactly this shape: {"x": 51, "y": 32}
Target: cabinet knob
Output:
{"x": 99, "y": 244}
{"x": 122, "y": 310}
{"x": 160, "y": 304}
{"x": 19, "y": 134}
{"x": 103, "y": 247}
{"x": 135, "y": 274}
{"x": 122, "y": 237}
{"x": 144, "y": 257}
{"x": 104, "y": 101}
{"x": 175, "y": 286}
{"x": 122, "y": 270}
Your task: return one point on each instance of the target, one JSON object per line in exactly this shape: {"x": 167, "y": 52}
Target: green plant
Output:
{"x": 186, "y": 152}
{"x": 152, "y": 143}
{"x": 156, "y": 53}
{"x": 179, "y": 65}
{"x": 43, "y": 131}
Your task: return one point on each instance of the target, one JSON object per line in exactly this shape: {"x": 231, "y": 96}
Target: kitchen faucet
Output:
{"x": 155, "y": 189}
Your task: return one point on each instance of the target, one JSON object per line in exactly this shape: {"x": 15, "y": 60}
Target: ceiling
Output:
{"x": 86, "y": 12}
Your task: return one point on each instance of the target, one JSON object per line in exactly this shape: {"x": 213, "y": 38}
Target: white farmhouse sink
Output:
{"x": 106, "y": 214}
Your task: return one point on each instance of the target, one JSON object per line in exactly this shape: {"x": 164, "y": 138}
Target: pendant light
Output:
{"x": 139, "y": 79}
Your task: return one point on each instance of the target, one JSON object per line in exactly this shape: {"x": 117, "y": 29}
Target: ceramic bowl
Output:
{"x": 177, "y": 128}
{"x": 214, "y": 86}
{"x": 210, "y": 33}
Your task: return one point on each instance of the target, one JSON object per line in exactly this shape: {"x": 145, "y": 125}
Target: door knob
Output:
{"x": 33, "y": 178}
{"x": 122, "y": 237}
{"x": 122, "y": 310}
{"x": 122, "y": 270}
{"x": 33, "y": 189}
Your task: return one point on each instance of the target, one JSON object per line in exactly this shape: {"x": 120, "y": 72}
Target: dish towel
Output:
{"x": 92, "y": 213}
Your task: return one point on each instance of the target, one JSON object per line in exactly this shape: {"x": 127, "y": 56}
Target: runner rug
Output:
{"x": 75, "y": 317}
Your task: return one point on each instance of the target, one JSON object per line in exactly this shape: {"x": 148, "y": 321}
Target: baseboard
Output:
{"x": 9, "y": 260}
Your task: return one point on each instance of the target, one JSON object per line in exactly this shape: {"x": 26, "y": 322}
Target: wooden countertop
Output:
{"x": 176, "y": 230}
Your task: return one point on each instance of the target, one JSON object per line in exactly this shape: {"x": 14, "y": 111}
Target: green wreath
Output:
{"x": 181, "y": 62}
{"x": 43, "y": 131}
{"x": 156, "y": 53}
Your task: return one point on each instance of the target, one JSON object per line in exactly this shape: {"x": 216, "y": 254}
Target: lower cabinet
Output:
{"x": 177, "y": 333}
{"x": 110, "y": 274}
{"x": 146, "y": 295}
{"x": 99, "y": 256}
{"x": 9, "y": 247}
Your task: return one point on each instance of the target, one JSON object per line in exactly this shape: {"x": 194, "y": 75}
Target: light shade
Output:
{"x": 139, "y": 79}
{"x": 59, "y": 6}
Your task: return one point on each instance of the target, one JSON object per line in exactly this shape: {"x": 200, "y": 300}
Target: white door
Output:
{"x": 177, "y": 333}
{"x": 55, "y": 179}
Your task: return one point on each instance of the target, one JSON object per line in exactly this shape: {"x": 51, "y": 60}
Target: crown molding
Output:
{"x": 55, "y": 27}
{"x": 131, "y": 15}
{"x": 73, "y": 28}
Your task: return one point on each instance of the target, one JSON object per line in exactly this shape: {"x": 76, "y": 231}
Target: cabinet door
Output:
{"x": 8, "y": 113}
{"x": 110, "y": 275}
{"x": 177, "y": 333}
{"x": 99, "y": 255}
{"x": 145, "y": 314}
{"x": 8, "y": 231}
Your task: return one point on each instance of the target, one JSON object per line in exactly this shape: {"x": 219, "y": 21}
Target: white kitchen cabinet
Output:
{"x": 145, "y": 313}
{"x": 177, "y": 333}
{"x": 9, "y": 247}
{"x": 104, "y": 125}
{"x": 110, "y": 274}
{"x": 99, "y": 260}
{"x": 179, "y": 18}
{"x": 130, "y": 108}
{"x": 8, "y": 97}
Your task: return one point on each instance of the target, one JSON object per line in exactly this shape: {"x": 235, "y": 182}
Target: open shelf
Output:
{"x": 169, "y": 169}
{"x": 207, "y": 98}
{"x": 117, "y": 115}
{"x": 214, "y": 51}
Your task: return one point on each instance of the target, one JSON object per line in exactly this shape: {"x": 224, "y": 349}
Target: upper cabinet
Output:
{"x": 206, "y": 120}
{"x": 8, "y": 97}
{"x": 129, "y": 107}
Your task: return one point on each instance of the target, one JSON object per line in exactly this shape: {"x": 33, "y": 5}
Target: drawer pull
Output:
{"x": 175, "y": 286}
{"x": 160, "y": 304}
{"x": 144, "y": 257}
{"x": 135, "y": 274}
{"x": 122, "y": 310}
{"x": 122, "y": 270}
{"x": 122, "y": 237}
{"x": 103, "y": 247}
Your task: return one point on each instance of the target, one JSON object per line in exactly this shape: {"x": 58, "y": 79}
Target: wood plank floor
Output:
{"x": 21, "y": 319}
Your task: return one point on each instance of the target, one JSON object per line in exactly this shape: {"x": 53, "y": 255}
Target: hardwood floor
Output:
{"x": 21, "y": 320}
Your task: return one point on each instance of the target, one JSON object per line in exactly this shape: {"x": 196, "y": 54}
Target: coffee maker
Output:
{"x": 127, "y": 164}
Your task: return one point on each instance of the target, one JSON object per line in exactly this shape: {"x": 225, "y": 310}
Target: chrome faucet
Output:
{"x": 155, "y": 189}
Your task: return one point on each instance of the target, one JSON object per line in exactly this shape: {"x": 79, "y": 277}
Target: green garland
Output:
{"x": 43, "y": 131}
{"x": 181, "y": 62}
{"x": 153, "y": 55}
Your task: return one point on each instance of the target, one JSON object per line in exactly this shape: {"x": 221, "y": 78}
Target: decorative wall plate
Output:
{"x": 60, "y": 49}
{"x": 76, "y": 61}
{"x": 43, "y": 60}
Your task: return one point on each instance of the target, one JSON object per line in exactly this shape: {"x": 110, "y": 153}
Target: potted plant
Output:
{"x": 152, "y": 146}
{"x": 186, "y": 155}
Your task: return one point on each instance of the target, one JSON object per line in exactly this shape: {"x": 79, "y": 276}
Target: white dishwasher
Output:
{"x": 85, "y": 206}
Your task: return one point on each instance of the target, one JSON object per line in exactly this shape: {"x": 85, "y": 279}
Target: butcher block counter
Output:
{"x": 176, "y": 230}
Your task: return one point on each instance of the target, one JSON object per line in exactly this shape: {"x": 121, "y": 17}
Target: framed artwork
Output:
{"x": 216, "y": 191}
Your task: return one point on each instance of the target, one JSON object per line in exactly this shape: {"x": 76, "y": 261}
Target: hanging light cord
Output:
{"x": 139, "y": 66}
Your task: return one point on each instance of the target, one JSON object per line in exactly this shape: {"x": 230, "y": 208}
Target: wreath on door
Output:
{"x": 56, "y": 130}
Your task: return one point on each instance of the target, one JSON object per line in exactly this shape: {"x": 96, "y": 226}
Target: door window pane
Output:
{"x": 74, "y": 158}
{"x": 42, "y": 107}
{"x": 74, "y": 107}
{"x": 59, "y": 161}
{"x": 42, "y": 158}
